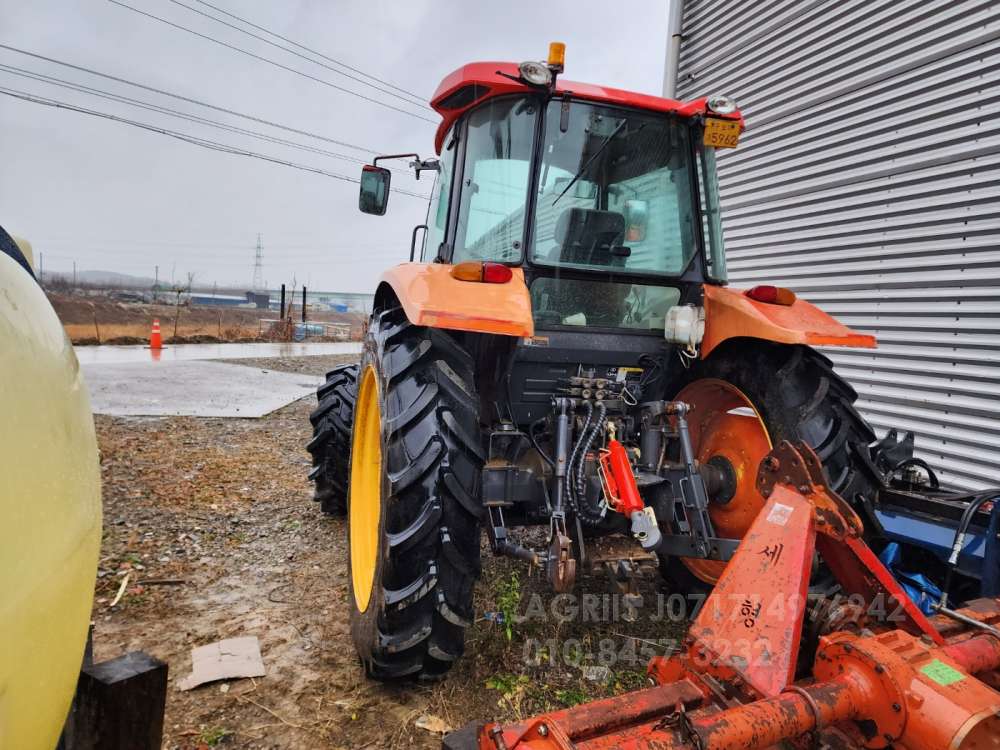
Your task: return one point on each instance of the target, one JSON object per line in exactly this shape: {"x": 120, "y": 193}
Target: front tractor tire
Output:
{"x": 413, "y": 508}
{"x": 750, "y": 395}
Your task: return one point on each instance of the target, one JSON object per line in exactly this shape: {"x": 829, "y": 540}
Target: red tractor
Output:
{"x": 562, "y": 351}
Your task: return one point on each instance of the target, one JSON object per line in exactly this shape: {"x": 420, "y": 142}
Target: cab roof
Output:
{"x": 476, "y": 82}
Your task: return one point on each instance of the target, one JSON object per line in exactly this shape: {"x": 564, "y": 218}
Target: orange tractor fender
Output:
{"x": 431, "y": 296}
{"x": 730, "y": 314}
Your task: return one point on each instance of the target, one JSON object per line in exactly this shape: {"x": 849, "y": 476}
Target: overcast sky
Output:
{"x": 113, "y": 197}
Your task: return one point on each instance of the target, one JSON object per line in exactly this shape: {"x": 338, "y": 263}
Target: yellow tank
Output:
{"x": 50, "y": 511}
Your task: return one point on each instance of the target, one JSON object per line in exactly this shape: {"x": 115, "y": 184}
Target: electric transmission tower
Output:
{"x": 258, "y": 266}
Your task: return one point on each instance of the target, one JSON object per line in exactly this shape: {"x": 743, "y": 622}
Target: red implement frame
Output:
{"x": 752, "y": 623}
{"x": 895, "y": 681}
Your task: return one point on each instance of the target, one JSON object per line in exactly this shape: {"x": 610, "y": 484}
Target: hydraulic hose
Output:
{"x": 991, "y": 556}
{"x": 590, "y": 516}
{"x": 913, "y": 461}
{"x": 574, "y": 453}
{"x": 960, "y": 533}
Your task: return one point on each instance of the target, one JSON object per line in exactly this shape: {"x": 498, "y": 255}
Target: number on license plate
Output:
{"x": 721, "y": 133}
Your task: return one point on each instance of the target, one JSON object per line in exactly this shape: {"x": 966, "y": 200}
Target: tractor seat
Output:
{"x": 590, "y": 237}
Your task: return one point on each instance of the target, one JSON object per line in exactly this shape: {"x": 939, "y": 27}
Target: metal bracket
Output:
{"x": 560, "y": 565}
{"x": 691, "y": 509}
{"x": 419, "y": 165}
{"x": 500, "y": 544}
{"x": 798, "y": 466}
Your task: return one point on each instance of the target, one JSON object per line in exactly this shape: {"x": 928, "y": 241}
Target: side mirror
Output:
{"x": 374, "y": 195}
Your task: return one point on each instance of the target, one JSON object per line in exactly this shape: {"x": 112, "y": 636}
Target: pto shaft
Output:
{"x": 767, "y": 722}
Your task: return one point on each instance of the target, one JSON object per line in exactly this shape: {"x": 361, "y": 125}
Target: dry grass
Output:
{"x": 81, "y": 332}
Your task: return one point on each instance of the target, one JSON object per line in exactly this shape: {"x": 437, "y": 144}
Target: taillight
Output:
{"x": 773, "y": 295}
{"x": 484, "y": 271}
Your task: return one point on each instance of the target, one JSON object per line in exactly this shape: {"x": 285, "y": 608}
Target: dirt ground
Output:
{"x": 212, "y": 522}
{"x": 101, "y": 320}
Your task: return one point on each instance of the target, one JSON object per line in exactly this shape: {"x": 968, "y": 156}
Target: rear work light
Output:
{"x": 485, "y": 271}
{"x": 773, "y": 295}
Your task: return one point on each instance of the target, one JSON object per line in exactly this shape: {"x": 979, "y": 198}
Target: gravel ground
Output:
{"x": 211, "y": 521}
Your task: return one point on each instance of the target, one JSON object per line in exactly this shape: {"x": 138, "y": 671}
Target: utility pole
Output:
{"x": 675, "y": 23}
{"x": 258, "y": 266}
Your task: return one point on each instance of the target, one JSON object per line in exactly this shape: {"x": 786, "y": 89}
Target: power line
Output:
{"x": 268, "y": 60}
{"x": 408, "y": 98}
{"x": 312, "y": 51}
{"x": 53, "y": 81}
{"x": 240, "y": 265}
{"x": 195, "y": 140}
{"x": 323, "y": 246}
{"x": 180, "y": 97}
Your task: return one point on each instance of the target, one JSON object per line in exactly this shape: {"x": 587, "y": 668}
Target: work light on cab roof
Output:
{"x": 544, "y": 73}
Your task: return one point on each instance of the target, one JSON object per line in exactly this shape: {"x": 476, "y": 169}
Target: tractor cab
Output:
{"x": 607, "y": 199}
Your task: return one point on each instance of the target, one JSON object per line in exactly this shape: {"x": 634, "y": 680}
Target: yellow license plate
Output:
{"x": 721, "y": 133}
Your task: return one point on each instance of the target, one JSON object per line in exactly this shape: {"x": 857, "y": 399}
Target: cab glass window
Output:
{"x": 560, "y": 301}
{"x": 711, "y": 213}
{"x": 615, "y": 191}
{"x": 495, "y": 178}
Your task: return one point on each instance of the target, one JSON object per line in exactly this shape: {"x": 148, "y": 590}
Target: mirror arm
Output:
{"x": 424, "y": 165}
{"x": 394, "y": 156}
{"x": 413, "y": 239}
{"x": 419, "y": 165}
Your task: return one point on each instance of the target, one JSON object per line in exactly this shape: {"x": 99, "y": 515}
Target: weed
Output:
{"x": 240, "y": 537}
{"x": 507, "y": 684}
{"x": 508, "y": 599}
{"x": 213, "y": 736}
{"x": 624, "y": 680}
{"x": 570, "y": 697}
{"x": 512, "y": 689}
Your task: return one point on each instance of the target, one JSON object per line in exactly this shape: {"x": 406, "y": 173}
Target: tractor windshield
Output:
{"x": 614, "y": 191}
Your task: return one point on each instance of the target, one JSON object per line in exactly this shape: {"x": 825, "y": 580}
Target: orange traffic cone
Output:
{"x": 155, "y": 342}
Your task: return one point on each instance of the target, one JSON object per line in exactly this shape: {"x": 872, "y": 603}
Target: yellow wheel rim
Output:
{"x": 724, "y": 422}
{"x": 365, "y": 506}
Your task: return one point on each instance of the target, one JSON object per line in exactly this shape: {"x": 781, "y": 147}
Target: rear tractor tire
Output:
{"x": 330, "y": 446}
{"x": 750, "y": 395}
{"x": 413, "y": 508}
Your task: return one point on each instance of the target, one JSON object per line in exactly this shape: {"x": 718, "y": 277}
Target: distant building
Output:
{"x": 257, "y": 300}
{"x": 332, "y": 301}
{"x": 260, "y": 300}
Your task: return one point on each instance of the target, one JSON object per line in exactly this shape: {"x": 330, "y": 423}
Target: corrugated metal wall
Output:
{"x": 868, "y": 180}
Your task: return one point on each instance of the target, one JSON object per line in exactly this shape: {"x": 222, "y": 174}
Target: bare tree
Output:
{"x": 179, "y": 290}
